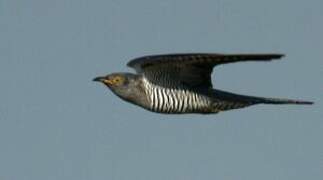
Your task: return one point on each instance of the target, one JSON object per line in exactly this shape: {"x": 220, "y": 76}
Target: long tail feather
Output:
{"x": 218, "y": 94}
{"x": 284, "y": 101}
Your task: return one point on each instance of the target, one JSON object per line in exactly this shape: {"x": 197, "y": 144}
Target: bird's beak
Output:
{"x": 104, "y": 80}
{"x": 99, "y": 79}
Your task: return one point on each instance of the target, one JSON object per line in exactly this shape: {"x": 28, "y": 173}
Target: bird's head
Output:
{"x": 122, "y": 84}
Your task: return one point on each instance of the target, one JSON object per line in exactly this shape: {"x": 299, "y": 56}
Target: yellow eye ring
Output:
{"x": 117, "y": 80}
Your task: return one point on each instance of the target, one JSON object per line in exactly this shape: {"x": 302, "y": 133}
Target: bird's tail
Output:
{"x": 284, "y": 101}
{"x": 226, "y": 96}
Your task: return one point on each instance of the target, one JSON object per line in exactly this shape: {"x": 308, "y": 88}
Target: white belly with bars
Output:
{"x": 174, "y": 100}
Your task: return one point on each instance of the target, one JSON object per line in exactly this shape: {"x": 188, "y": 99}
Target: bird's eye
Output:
{"x": 117, "y": 80}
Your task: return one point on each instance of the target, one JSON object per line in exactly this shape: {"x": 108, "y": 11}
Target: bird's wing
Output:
{"x": 193, "y": 70}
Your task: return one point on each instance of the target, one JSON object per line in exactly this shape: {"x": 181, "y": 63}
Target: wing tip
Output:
{"x": 270, "y": 56}
{"x": 278, "y": 56}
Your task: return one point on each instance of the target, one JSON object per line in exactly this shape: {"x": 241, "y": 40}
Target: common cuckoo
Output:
{"x": 181, "y": 83}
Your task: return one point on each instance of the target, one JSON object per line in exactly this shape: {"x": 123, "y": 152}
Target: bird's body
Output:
{"x": 175, "y": 100}
{"x": 181, "y": 83}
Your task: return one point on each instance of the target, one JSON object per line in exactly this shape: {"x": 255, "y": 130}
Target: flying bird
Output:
{"x": 181, "y": 83}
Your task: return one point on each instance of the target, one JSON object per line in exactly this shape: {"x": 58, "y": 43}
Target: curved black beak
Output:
{"x": 98, "y": 79}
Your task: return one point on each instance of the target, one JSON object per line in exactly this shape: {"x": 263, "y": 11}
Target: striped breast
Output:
{"x": 175, "y": 100}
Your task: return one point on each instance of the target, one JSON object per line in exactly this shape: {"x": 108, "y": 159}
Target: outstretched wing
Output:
{"x": 192, "y": 70}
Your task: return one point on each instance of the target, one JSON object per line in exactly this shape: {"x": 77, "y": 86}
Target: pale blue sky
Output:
{"x": 55, "y": 123}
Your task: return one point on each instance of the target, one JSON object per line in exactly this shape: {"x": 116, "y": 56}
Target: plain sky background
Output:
{"x": 56, "y": 124}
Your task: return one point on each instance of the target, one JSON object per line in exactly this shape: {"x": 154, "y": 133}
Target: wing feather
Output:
{"x": 193, "y": 70}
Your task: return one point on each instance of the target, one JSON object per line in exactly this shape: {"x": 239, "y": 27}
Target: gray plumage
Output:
{"x": 181, "y": 83}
